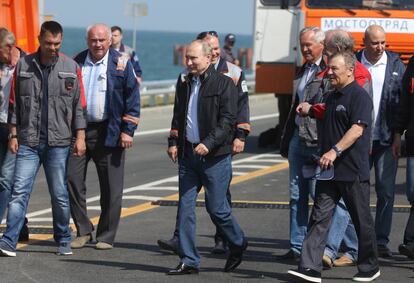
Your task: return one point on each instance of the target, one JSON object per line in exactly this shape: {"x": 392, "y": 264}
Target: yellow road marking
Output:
{"x": 148, "y": 206}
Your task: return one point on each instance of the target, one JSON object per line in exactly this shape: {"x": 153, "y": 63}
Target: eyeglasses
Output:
{"x": 203, "y": 34}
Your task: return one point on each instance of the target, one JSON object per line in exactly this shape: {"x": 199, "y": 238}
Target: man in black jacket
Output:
{"x": 242, "y": 128}
{"x": 405, "y": 123}
{"x": 201, "y": 137}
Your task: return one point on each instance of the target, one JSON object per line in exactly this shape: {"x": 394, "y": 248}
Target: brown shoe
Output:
{"x": 343, "y": 261}
{"x": 103, "y": 246}
{"x": 80, "y": 242}
{"x": 327, "y": 262}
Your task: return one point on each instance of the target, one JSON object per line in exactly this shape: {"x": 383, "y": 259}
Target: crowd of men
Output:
{"x": 61, "y": 113}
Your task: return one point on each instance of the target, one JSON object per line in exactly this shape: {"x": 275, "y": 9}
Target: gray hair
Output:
{"x": 341, "y": 41}
{"x": 319, "y": 36}
{"x": 6, "y": 37}
{"x": 205, "y": 46}
{"x": 107, "y": 28}
{"x": 349, "y": 58}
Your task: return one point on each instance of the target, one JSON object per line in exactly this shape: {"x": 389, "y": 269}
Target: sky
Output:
{"x": 224, "y": 16}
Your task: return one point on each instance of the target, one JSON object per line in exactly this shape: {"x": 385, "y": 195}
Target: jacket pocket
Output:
{"x": 26, "y": 83}
{"x": 67, "y": 82}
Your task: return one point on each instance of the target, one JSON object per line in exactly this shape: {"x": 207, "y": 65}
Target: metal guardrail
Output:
{"x": 163, "y": 89}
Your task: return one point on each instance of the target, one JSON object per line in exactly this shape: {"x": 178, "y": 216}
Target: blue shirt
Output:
{"x": 94, "y": 78}
{"x": 192, "y": 133}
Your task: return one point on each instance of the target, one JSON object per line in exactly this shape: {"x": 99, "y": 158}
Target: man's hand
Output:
{"x": 327, "y": 160}
{"x": 303, "y": 109}
{"x": 396, "y": 146}
{"x": 13, "y": 145}
{"x": 172, "y": 153}
{"x": 238, "y": 146}
{"x": 201, "y": 149}
{"x": 79, "y": 148}
{"x": 126, "y": 140}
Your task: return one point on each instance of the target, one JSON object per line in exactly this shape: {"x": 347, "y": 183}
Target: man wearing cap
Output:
{"x": 226, "y": 51}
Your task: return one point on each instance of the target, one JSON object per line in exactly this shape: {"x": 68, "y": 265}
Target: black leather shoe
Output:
{"x": 183, "y": 269}
{"x": 290, "y": 255}
{"x": 235, "y": 257}
{"x": 169, "y": 245}
{"x": 406, "y": 250}
{"x": 24, "y": 232}
{"x": 219, "y": 248}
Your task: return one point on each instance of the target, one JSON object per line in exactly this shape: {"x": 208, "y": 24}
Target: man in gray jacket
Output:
{"x": 300, "y": 139}
{"x": 46, "y": 106}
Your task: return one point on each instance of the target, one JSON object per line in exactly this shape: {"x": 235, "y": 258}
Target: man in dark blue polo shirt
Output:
{"x": 345, "y": 145}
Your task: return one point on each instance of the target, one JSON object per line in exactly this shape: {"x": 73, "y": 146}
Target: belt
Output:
{"x": 190, "y": 144}
{"x": 97, "y": 124}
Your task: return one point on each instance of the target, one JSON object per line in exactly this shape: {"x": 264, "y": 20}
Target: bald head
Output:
{"x": 99, "y": 40}
{"x": 338, "y": 40}
{"x": 374, "y": 41}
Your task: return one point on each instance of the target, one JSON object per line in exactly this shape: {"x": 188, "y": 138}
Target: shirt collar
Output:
{"x": 103, "y": 61}
{"x": 217, "y": 63}
{"x": 381, "y": 61}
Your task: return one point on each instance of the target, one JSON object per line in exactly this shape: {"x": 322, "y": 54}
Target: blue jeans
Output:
{"x": 7, "y": 161}
{"x": 409, "y": 229}
{"x": 28, "y": 161}
{"x": 385, "y": 166}
{"x": 300, "y": 189}
{"x": 342, "y": 231}
{"x": 214, "y": 174}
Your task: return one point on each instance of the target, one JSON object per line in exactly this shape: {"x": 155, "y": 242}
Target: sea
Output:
{"x": 155, "y": 49}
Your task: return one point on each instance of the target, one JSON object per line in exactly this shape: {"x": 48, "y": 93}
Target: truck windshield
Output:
{"x": 362, "y": 4}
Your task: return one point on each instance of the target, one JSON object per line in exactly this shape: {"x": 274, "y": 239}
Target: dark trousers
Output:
{"x": 109, "y": 162}
{"x": 356, "y": 198}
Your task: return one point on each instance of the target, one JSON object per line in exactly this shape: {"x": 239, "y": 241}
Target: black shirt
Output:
{"x": 344, "y": 108}
{"x": 44, "y": 105}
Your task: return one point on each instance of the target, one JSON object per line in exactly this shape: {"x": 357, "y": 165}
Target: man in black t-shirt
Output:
{"x": 345, "y": 144}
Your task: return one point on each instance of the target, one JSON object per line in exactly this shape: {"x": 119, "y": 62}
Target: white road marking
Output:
{"x": 237, "y": 173}
{"x": 167, "y": 130}
{"x": 142, "y": 198}
{"x": 153, "y": 185}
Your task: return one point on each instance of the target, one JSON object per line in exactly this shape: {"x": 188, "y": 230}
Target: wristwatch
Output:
{"x": 11, "y": 136}
{"x": 337, "y": 150}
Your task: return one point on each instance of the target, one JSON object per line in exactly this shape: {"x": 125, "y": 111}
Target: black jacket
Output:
{"x": 217, "y": 111}
{"x": 405, "y": 118}
{"x": 390, "y": 97}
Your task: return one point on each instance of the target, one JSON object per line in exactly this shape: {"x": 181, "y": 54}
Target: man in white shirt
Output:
{"x": 387, "y": 70}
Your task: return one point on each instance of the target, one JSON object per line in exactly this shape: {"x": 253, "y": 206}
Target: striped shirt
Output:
{"x": 94, "y": 79}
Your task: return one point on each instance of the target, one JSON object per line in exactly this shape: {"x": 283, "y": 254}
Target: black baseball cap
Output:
{"x": 230, "y": 37}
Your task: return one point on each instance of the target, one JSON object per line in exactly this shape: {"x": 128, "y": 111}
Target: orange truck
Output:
{"x": 276, "y": 50}
{"x": 22, "y": 18}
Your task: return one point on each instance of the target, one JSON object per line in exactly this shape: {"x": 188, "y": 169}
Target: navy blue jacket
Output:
{"x": 390, "y": 98}
{"x": 243, "y": 110}
{"x": 133, "y": 57}
{"x": 122, "y": 96}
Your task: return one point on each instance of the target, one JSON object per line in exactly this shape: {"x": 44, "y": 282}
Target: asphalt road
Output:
{"x": 260, "y": 186}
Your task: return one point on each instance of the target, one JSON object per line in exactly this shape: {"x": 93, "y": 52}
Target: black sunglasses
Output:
{"x": 203, "y": 34}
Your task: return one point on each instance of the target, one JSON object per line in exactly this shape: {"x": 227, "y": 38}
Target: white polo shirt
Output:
{"x": 377, "y": 72}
